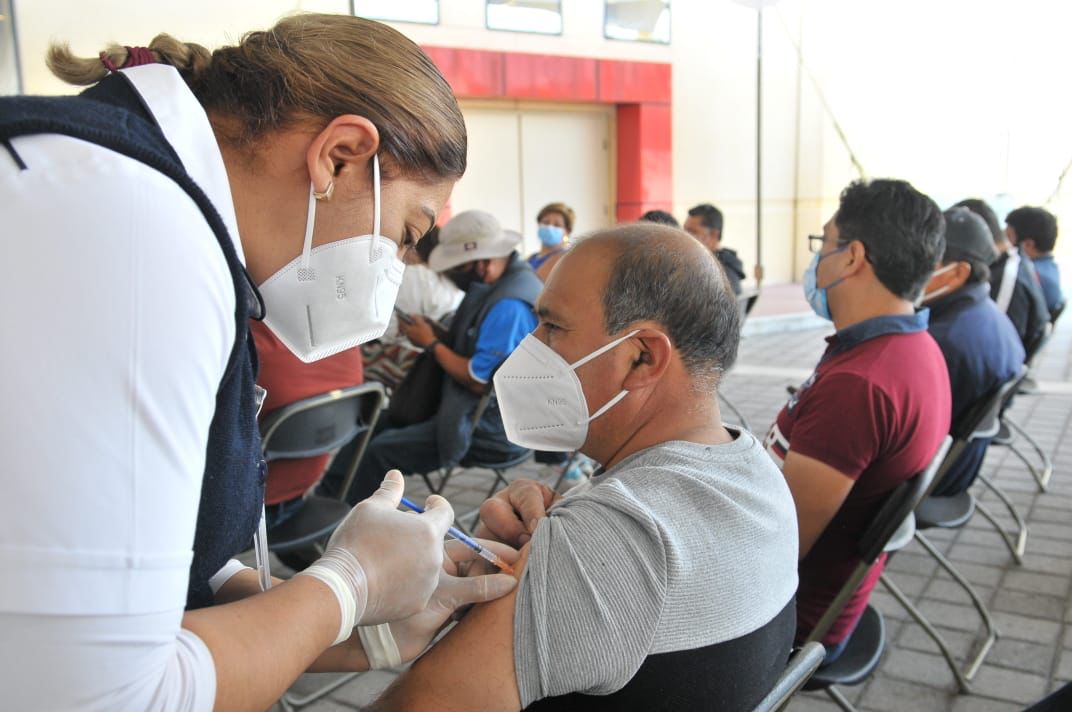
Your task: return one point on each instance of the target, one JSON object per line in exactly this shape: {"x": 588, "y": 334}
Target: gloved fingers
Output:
{"x": 390, "y": 491}
{"x": 438, "y": 513}
{"x": 454, "y": 592}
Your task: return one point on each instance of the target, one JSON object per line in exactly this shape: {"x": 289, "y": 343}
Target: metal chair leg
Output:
{"x": 742, "y": 421}
{"x": 1042, "y": 479}
{"x": 837, "y": 697}
{"x": 1018, "y": 547}
{"x": 930, "y": 630}
{"x": 988, "y": 622}
{"x": 444, "y": 477}
{"x": 290, "y": 702}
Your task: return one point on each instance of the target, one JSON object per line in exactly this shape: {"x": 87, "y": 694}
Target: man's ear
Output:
{"x": 651, "y": 360}
{"x": 343, "y": 147}
{"x": 857, "y": 259}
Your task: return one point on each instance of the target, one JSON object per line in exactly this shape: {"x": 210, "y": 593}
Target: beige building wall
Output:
{"x": 962, "y": 97}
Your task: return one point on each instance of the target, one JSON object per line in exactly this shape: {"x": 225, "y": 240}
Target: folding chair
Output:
{"x": 886, "y": 532}
{"x": 316, "y": 426}
{"x": 746, "y": 301}
{"x": 310, "y": 427}
{"x": 1010, "y": 431}
{"x": 498, "y": 468}
{"x": 954, "y": 511}
{"x": 802, "y": 664}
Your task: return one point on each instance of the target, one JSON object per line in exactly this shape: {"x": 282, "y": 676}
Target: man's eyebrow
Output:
{"x": 544, "y": 312}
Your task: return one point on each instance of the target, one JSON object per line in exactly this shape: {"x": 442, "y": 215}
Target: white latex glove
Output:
{"x": 455, "y": 590}
{"x": 381, "y": 563}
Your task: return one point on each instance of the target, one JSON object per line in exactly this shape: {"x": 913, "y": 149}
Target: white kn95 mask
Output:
{"x": 541, "y": 400}
{"x": 338, "y": 295}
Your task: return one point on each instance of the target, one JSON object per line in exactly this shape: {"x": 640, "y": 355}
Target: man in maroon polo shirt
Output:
{"x": 877, "y": 406}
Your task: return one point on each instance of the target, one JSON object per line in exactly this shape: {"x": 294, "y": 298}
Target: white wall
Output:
{"x": 962, "y": 97}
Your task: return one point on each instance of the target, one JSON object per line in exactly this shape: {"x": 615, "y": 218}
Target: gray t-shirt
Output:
{"x": 677, "y": 547}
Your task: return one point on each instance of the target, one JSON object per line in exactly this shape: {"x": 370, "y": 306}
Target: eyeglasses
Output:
{"x": 816, "y": 242}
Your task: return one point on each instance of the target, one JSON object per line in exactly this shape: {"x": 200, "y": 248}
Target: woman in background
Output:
{"x": 555, "y": 221}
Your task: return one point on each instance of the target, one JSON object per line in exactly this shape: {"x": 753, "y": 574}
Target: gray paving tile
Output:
{"x": 1021, "y": 627}
{"x": 1036, "y": 658}
{"x": 975, "y": 703}
{"x": 960, "y": 643}
{"x": 887, "y": 694}
{"x": 1010, "y": 685}
{"x": 1036, "y": 583}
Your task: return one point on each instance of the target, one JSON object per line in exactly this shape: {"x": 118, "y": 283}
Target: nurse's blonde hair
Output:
{"x": 309, "y": 69}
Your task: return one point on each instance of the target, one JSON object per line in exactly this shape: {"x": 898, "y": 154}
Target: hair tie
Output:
{"x": 107, "y": 62}
{"x": 137, "y": 56}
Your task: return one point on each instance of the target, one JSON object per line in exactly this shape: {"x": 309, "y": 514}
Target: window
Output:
{"x": 539, "y": 16}
{"x": 637, "y": 20}
{"x": 425, "y": 12}
{"x": 10, "y": 81}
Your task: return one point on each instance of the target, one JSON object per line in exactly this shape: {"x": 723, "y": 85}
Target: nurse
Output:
{"x": 144, "y": 223}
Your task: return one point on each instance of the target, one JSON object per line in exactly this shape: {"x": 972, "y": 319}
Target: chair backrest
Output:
{"x": 898, "y": 506}
{"x": 802, "y": 665}
{"x": 322, "y": 423}
{"x": 1056, "y": 314}
{"x": 746, "y": 301}
{"x": 983, "y": 419}
{"x": 1035, "y": 347}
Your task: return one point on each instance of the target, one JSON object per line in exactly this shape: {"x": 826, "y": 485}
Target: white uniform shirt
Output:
{"x": 118, "y": 309}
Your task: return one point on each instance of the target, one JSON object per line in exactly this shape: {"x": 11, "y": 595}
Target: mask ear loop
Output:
{"x": 595, "y": 354}
{"x": 307, "y": 246}
{"x": 602, "y": 350}
{"x": 375, "y": 207}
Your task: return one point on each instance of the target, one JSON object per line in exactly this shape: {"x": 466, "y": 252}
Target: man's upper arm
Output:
{"x": 471, "y": 668}
{"x": 818, "y": 492}
{"x": 505, "y": 325}
{"x": 582, "y": 618}
{"x": 838, "y": 432}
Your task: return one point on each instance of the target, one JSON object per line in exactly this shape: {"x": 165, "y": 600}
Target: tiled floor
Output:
{"x": 1030, "y": 603}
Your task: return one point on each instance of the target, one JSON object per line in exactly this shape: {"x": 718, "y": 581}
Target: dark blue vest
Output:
{"x": 113, "y": 115}
{"x": 454, "y": 431}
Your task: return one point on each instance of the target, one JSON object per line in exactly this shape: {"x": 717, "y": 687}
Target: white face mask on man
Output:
{"x": 338, "y": 295}
{"x": 541, "y": 399}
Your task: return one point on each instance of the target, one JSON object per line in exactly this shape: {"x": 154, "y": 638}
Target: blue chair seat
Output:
{"x": 860, "y": 657}
{"x": 950, "y": 512}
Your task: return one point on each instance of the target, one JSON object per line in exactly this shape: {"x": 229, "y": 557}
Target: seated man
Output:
{"x": 430, "y": 294}
{"x": 705, "y": 224}
{"x": 1014, "y": 284}
{"x": 980, "y": 345}
{"x": 287, "y": 379}
{"x": 666, "y": 583}
{"x": 876, "y": 408}
{"x": 1034, "y": 231}
{"x": 496, "y": 313}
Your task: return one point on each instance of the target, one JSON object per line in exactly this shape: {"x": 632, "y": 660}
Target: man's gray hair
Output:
{"x": 655, "y": 277}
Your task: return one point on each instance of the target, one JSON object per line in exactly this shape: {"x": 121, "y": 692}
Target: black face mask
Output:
{"x": 464, "y": 278}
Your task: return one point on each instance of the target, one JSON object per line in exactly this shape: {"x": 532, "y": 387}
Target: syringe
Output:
{"x": 464, "y": 538}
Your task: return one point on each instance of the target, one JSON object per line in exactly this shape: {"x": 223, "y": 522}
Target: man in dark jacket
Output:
{"x": 705, "y": 224}
{"x": 980, "y": 346}
{"x": 1014, "y": 285}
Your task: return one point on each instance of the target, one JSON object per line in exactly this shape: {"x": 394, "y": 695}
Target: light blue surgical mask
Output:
{"x": 815, "y": 294}
{"x": 551, "y": 235}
